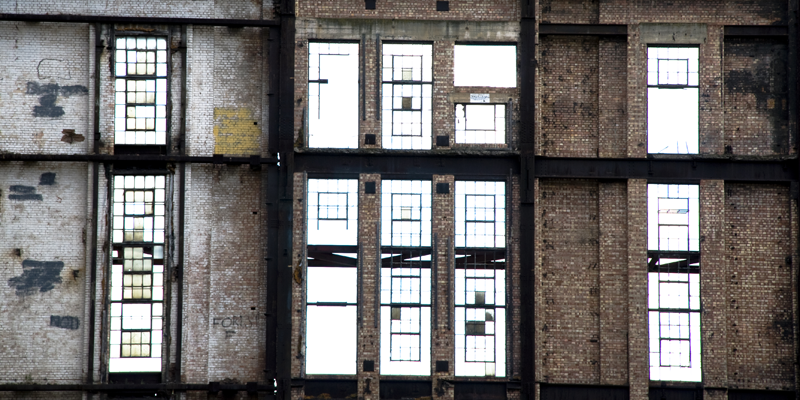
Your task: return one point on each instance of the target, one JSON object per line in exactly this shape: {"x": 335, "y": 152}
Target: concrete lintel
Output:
{"x": 352, "y": 29}
{"x": 672, "y": 33}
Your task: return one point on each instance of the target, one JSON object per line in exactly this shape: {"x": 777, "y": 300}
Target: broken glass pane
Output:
{"x": 673, "y": 100}
{"x": 333, "y": 95}
{"x": 485, "y": 65}
{"x": 406, "y": 96}
{"x": 480, "y": 123}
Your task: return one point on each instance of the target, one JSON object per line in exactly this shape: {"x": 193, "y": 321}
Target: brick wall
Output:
{"x": 44, "y": 227}
{"x": 569, "y": 101}
{"x": 760, "y": 317}
{"x": 570, "y": 281}
{"x": 46, "y": 87}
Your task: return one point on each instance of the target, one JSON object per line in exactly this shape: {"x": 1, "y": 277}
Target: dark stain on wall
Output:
{"x": 41, "y": 276}
{"x": 47, "y": 178}
{"x": 21, "y": 192}
{"x": 49, "y": 94}
{"x": 66, "y": 322}
{"x": 758, "y": 67}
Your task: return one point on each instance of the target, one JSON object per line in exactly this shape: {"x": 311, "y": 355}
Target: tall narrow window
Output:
{"x": 480, "y": 295}
{"x": 673, "y": 100}
{"x": 406, "y": 277}
{"x": 407, "y": 89}
{"x": 137, "y": 273}
{"x": 333, "y": 95}
{"x": 674, "y": 282}
{"x": 332, "y": 257}
{"x": 140, "y": 110}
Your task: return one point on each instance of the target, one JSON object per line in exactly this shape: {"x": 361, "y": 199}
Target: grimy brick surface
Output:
{"x": 590, "y": 241}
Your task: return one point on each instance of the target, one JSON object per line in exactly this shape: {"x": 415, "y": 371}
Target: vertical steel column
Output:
{"x": 794, "y": 137}
{"x": 98, "y": 46}
{"x": 271, "y": 257}
{"x": 527, "y": 260}
{"x": 285, "y": 177}
{"x": 178, "y": 273}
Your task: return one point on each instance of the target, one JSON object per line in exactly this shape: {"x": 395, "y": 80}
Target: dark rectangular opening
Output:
{"x": 443, "y": 188}
{"x": 443, "y": 140}
{"x": 369, "y": 187}
{"x": 134, "y": 377}
{"x": 369, "y": 4}
{"x": 369, "y": 366}
{"x": 588, "y": 392}
{"x": 369, "y": 138}
{"x": 331, "y": 389}
{"x": 442, "y": 6}
{"x": 442, "y": 366}
{"x": 759, "y": 395}
{"x": 121, "y": 149}
{"x": 657, "y": 393}
{"x": 480, "y": 391}
{"x": 399, "y": 390}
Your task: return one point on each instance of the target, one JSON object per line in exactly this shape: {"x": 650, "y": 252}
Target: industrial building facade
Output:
{"x": 381, "y": 199}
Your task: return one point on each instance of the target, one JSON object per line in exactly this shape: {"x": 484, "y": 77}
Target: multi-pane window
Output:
{"x": 673, "y": 100}
{"x": 480, "y": 123}
{"x": 405, "y": 311}
{"x": 405, "y": 277}
{"x": 674, "y": 282}
{"x": 140, "y": 110}
{"x": 485, "y": 65}
{"x": 480, "y": 214}
{"x": 333, "y": 95}
{"x": 332, "y": 268}
{"x": 673, "y": 218}
{"x": 406, "y": 103}
{"x": 137, "y": 273}
{"x": 406, "y": 216}
{"x": 480, "y": 294}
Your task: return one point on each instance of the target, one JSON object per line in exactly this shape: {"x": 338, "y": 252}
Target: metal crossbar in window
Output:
{"x": 333, "y": 94}
{"x": 675, "y": 67}
{"x": 407, "y": 87}
{"x": 405, "y": 295}
{"x": 480, "y": 299}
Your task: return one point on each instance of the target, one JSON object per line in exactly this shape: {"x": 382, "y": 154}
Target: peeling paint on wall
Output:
{"x": 39, "y": 276}
{"x": 49, "y": 94}
{"x": 65, "y": 321}
{"x": 235, "y": 131}
{"x": 22, "y": 192}
{"x": 47, "y": 178}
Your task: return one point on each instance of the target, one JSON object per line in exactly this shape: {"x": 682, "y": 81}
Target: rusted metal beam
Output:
{"x": 139, "y": 387}
{"x": 583, "y": 29}
{"x": 408, "y": 165}
{"x": 113, "y": 19}
{"x": 137, "y": 158}
{"x": 683, "y": 170}
{"x": 756, "y": 30}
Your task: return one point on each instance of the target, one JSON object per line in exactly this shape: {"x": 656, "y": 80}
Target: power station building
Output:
{"x": 385, "y": 199}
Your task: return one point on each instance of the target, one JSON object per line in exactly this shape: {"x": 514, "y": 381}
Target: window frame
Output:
{"x": 388, "y": 117}
{"x": 655, "y": 114}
